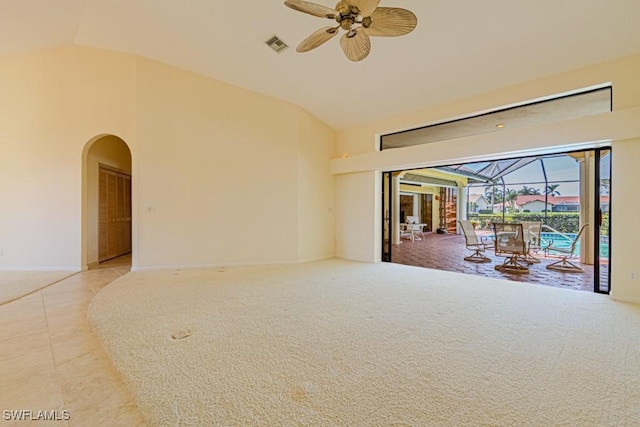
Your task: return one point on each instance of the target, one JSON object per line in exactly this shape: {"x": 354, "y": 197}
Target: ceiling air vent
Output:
{"x": 276, "y": 44}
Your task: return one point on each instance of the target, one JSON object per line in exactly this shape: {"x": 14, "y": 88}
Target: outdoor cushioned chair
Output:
{"x": 564, "y": 265}
{"x": 509, "y": 241}
{"x": 477, "y": 246}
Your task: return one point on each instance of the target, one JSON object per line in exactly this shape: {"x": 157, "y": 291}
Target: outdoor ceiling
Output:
{"x": 459, "y": 49}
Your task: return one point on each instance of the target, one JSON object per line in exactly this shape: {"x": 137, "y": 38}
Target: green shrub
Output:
{"x": 565, "y": 222}
{"x": 604, "y": 230}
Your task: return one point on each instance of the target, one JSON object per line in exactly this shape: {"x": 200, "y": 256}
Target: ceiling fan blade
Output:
{"x": 391, "y": 22}
{"x": 366, "y": 6}
{"x": 316, "y": 39}
{"x": 356, "y": 44}
{"x": 311, "y": 8}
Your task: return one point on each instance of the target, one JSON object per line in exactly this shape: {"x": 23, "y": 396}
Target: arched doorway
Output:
{"x": 106, "y": 200}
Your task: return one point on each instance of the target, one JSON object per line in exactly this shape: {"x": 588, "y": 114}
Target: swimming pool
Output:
{"x": 564, "y": 241}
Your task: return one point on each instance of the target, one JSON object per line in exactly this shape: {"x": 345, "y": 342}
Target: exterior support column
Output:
{"x": 587, "y": 186}
{"x": 463, "y": 202}
{"x": 395, "y": 220}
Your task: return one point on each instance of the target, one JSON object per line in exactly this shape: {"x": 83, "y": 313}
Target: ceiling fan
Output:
{"x": 360, "y": 19}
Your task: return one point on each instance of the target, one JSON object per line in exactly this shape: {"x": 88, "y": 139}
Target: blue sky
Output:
{"x": 558, "y": 168}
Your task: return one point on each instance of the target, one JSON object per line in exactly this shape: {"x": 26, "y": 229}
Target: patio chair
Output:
{"x": 564, "y": 265}
{"x": 509, "y": 241}
{"x": 532, "y": 236}
{"x": 471, "y": 239}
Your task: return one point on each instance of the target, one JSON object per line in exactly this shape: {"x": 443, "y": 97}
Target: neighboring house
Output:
{"x": 477, "y": 202}
{"x": 535, "y": 206}
{"x": 532, "y": 203}
{"x": 555, "y": 203}
{"x": 565, "y": 204}
{"x": 497, "y": 207}
{"x": 511, "y": 206}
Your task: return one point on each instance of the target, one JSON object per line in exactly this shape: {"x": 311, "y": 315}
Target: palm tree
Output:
{"x": 511, "y": 197}
{"x": 529, "y": 191}
{"x": 552, "y": 189}
{"x": 493, "y": 194}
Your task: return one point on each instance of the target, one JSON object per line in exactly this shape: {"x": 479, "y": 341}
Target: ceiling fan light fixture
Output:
{"x": 360, "y": 19}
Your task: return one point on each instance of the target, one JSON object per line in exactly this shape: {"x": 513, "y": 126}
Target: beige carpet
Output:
{"x": 337, "y": 343}
{"x": 17, "y": 284}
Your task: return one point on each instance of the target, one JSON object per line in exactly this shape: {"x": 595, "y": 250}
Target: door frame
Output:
{"x": 597, "y": 221}
{"x": 102, "y": 166}
{"x": 85, "y": 217}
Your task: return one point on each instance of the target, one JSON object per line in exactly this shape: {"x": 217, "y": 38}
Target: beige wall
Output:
{"x": 197, "y": 146}
{"x": 53, "y": 102}
{"x": 358, "y": 222}
{"x": 204, "y": 144}
{"x": 625, "y": 233}
{"x": 356, "y": 173}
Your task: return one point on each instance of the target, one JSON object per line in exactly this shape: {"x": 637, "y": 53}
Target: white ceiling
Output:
{"x": 459, "y": 49}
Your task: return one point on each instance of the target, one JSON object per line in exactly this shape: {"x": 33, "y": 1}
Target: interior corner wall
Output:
{"x": 109, "y": 151}
{"x": 355, "y": 174}
{"x": 53, "y": 102}
{"x": 316, "y": 190}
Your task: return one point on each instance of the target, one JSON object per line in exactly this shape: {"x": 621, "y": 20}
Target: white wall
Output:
{"x": 610, "y": 128}
{"x": 216, "y": 169}
{"x": 535, "y": 206}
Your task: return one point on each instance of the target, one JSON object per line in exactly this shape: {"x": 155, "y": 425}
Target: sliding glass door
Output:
{"x": 564, "y": 191}
{"x": 387, "y": 214}
{"x": 602, "y": 243}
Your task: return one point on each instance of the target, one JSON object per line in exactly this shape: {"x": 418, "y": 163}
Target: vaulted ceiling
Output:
{"x": 460, "y": 48}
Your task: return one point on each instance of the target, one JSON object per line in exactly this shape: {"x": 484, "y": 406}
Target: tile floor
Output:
{"x": 446, "y": 252}
{"x": 50, "y": 358}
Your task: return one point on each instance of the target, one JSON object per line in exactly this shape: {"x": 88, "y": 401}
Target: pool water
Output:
{"x": 561, "y": 241}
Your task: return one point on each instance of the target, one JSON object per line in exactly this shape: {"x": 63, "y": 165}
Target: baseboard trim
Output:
{"x": 195, "y": 266}
{"x": 222, "y": 265}
{"x": 628, "y": 300}
{"x": 39, "y": 268}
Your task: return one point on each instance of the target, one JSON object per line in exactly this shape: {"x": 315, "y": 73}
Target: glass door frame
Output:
{"x": 597, "y": 221}
{"x": 387, "y": 216}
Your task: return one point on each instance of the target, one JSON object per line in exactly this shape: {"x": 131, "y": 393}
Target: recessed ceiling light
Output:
{"x": 500, "y": 125}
